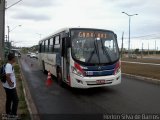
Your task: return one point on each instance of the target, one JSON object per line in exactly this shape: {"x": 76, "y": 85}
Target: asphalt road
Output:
{"x": 132, "y": 96}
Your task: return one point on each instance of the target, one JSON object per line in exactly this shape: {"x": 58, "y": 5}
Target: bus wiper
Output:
{"x": 106, "y": 52}
{"x": 95, "y": 50}
{"x": 91, "y": 56}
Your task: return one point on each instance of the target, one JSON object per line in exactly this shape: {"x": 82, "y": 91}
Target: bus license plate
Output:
{"x": 100, "y": 81}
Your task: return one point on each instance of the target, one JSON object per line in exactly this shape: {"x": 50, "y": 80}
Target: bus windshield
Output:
{"x": 94, "y": 47}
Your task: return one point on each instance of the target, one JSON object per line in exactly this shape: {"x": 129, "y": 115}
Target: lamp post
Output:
{"x": 3, "y": 7}
{"x": 11, "y": 31}
{"x": 129, "y": 30}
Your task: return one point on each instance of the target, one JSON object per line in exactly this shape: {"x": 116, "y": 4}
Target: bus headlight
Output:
{"x": 77, "y": 72}
{"x": 117, "y": 68}
{"x": 77, "y": 69}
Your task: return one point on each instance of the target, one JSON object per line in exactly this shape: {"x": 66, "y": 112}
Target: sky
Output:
{"x": 39, "y": 18}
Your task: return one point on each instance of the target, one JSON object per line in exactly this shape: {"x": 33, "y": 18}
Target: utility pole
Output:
{"x": 142, "y": 51}
{"x": 9, "y": 42}
{"x": 148, "y": 48}
{"x": 8, "y": 33}
{"x": 122, "y": 45}
{"x": 155, "y": 47}
{"x": 6, "y": 38}
{"x": 2, "y": 26}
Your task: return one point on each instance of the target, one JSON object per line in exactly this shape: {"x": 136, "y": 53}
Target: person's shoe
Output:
{"x": 4, "y": 116}
{"x": 13, "y": 117}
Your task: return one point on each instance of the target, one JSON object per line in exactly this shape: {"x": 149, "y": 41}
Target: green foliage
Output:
{"x": 22, "y": 103}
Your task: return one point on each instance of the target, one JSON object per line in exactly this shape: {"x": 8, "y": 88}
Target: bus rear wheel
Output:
{"x": 59, "y": 76}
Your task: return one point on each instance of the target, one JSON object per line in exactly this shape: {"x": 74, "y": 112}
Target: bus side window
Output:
{"x": 57, "y": 44}
{"x": 46, "y": 46}
{"x": 51, "y": 45}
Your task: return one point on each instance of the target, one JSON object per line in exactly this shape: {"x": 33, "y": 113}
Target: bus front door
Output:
{"x": 65, "y": 60}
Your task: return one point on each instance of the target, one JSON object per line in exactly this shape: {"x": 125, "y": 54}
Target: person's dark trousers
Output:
{"x": 11, "y": 101}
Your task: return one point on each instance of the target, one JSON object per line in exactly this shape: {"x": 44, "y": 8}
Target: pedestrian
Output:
{"x": 10, "y": 87}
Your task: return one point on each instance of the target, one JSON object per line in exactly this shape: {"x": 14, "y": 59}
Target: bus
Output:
{"x": 81, "y": 57}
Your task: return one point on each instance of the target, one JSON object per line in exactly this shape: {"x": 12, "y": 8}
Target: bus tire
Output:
{"x": 59, "y": 76}
{"x": 43, "y": 68}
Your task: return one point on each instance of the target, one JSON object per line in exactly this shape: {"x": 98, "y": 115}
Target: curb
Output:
{"x": 30, "y": 103}
{"x": 146, "y": 79}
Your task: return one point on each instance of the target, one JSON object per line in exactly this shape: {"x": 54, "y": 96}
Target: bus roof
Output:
{"x": 67, "y": 29}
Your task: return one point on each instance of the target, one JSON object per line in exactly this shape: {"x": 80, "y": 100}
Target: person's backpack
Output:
{"x": 3, "y": 73}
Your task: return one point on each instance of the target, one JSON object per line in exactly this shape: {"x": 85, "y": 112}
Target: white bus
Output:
{"x": 81, "y": 57}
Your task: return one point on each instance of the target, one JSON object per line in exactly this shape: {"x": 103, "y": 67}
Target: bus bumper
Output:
{"x": 91, "y": 82}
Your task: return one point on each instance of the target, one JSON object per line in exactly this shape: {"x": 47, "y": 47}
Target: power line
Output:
{"x": 148, "y": 37}
{"x": 156, "y": 35}
{"x": 13, "y": 4}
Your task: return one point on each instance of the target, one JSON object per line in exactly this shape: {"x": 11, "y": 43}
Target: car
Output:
{"x": 33, "y": 55}
{"x": 17, "y": 54}
{"x": 28, "y": 54}
{"x": 36, "y": 54}
{"x": 133, "y": 56}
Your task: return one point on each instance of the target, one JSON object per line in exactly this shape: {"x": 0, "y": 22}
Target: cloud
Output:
{"x": 129, "y": 4}
{"x": 35, "y": 3}
{"x": 34, "y": 16}
{"x": 107, "y": 14}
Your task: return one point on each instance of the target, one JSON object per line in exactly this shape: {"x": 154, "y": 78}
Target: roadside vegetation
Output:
{"x": 156, "y": 61}
{"x": 145, "y": 70}
{"x": 22, "y": 107}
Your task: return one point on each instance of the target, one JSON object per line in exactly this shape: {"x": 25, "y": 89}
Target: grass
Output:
{"x": 22, "y": 107}
{"x": 142, "y": 60}
{"x": 141, "y": 69}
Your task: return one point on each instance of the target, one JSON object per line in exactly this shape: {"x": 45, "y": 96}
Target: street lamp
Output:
{"x": 11, "y": 30}
{"x": 129, "y": 29}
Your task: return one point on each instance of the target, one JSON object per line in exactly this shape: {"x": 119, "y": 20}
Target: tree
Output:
{"x": 136, "y": 51}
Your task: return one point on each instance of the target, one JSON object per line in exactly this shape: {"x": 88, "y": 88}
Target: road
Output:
{"x": 132, "y": 96}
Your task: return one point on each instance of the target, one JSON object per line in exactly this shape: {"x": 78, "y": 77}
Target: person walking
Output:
{"x": 10, "y": 87}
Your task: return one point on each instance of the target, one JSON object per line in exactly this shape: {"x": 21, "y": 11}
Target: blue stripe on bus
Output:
{"x": 99, "y": 73}
{"x": 99, "y": 70}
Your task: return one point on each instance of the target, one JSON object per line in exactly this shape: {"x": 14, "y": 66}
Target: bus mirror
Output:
{"x": 115, "y": 36}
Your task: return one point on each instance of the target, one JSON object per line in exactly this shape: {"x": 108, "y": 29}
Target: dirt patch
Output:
{"x": 144, "y": 60}
{"x": 2, "y": 99}
{"x": 141, "y": 70}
